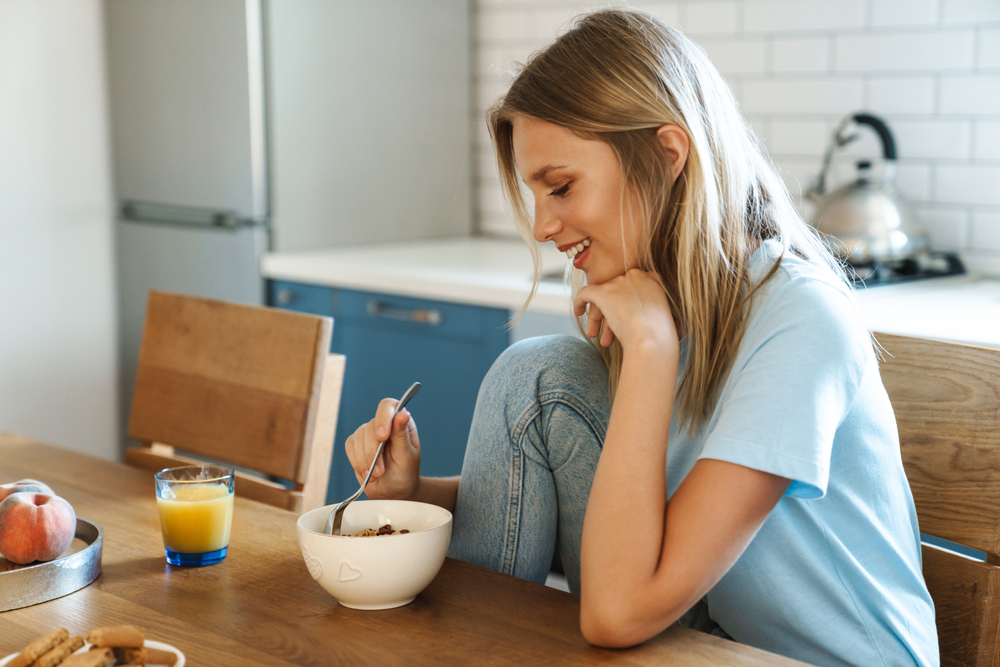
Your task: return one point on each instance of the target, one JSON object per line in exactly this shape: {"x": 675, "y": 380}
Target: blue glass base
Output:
{"x": 196, "y": 560}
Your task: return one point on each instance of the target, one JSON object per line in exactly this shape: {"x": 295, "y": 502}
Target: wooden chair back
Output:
{"x": 946, "y": 397}
{"x": 243, "y": 385}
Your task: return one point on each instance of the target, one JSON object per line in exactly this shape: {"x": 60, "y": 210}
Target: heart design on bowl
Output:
{"x": 314, "y": 565}
{"x": 348, "y": 573}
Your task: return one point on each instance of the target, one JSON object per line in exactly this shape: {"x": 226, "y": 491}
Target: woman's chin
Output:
{"x": 597, "y": 277}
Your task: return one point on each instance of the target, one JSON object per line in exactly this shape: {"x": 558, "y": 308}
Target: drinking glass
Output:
{"x": 196, "y": 513}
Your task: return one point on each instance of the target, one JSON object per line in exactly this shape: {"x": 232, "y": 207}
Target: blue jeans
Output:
{"x": 536, "y": 437}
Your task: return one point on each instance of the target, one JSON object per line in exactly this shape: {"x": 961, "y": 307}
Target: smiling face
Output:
{"x": 577, "y": 185}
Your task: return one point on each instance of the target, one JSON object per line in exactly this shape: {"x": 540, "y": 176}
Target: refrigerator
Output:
{"x": 242, "y": 126}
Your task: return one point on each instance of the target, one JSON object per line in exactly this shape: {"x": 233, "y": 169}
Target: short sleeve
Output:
{"x": 793, "y": 382}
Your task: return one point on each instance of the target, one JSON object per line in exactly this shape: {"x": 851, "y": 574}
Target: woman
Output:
{"x": 724, "y": 453}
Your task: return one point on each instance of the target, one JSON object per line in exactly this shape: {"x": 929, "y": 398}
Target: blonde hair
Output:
{"x": 617, "y": 76}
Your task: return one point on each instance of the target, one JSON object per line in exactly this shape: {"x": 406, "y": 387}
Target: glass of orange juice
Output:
{"x": 196, "y": 513}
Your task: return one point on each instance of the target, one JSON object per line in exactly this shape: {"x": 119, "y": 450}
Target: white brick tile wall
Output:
{"x": 986, "y": 261}
{"x": 887, "y": 13}
{"x": 782, "y": 96}
{"x": 930, "y": 68}
{"x": 790, "y": 137}
{"x": 945, "y": 50}
{"x": 989, "y": 49}
{"x": 488, "y": 167}
{"x": 711, "y": 18}
{"x": 668, "y": 12}
{"x": 493, "y": 58}
{"x": 761, "y": 127}
{"x": 913, "y": 180}
{"x": 482, "y": 131}
{"x": 783, "y": 15}
{"x": 491, "y": 198}
{"x": 970, "y": 95}
{"x": 967, "y": 184}
{"x": 986, "y": 231}
{"x": 546, "y": 25}
{"x": 811, "y": 54}
{"x": 970, "y": 11}
{"x": 489, "y": 90}
{"x": 932, "y": 139}
{"x": 736, "y": 56}
{"x": 798, "y": 174}
{"x": 981, "y": 261}
{"x": 947, "y": 228}
{"x": 986, "y": 145}
{"x": 901, "y": 95}
{"x": 501, "y": 24}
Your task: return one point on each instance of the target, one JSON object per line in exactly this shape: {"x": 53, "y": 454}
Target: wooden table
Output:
{"x": 261, "y": 607}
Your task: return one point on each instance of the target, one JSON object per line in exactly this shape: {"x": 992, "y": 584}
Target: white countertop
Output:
{"x": 961, "y": 308}
{"x": 477, "y": 270}
{"x": 498, "y": 273}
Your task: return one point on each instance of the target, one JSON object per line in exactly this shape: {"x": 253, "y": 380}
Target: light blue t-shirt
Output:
{"x": 833, "y": 577}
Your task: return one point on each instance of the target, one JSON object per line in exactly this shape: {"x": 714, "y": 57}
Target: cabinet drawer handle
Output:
{"x": 379, "y": 309}
{"x": 286, "y": 296}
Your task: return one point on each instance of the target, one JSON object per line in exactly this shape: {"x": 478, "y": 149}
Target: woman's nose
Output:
{"x": 546, "y": 225}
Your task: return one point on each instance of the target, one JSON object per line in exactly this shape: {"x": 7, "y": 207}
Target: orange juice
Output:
{"x": 197, "y": 519}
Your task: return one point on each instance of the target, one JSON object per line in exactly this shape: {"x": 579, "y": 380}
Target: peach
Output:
{"x": 32, "y": 485}
{"x": 35, "y": 526}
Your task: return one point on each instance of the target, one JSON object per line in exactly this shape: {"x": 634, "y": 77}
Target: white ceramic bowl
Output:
{"x": 376, "y": 572}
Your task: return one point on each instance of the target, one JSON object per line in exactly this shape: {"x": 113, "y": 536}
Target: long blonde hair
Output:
{"x": 617, "y": 76}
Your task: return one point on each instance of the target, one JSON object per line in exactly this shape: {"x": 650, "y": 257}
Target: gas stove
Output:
{"x": 928, "y": 265}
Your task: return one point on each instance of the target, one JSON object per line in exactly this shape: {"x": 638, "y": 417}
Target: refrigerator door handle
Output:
{"x": 188, "y": 216}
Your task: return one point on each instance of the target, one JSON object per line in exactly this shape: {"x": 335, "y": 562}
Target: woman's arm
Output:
{"x": 646, "y": 561}
{"x": 440, "y": 491}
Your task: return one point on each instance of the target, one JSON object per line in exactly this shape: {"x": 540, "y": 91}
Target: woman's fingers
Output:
{"x": 385, "y": 427}
{"x": 607, "y": 335}
{"x": 383, "y": 418}
{"x": 597, "y": 324}
{"x": 595, "y": 320}
{"x": 357, "y": 446}
{"x": 398, "y": 441}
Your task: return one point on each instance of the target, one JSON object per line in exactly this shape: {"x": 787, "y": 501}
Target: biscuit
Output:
{"x": 137, "y": 655}
{"x": 117, "y": 636}
{"x": 39, "y": 647}
{"x": 60, "y": 652}
{"x": 155, "y": 656}
{"x": 101, "y": 657}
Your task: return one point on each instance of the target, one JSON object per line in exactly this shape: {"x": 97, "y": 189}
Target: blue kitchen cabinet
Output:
{"x": 392, "y": 341}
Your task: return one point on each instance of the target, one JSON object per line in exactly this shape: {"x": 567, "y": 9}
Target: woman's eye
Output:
{"x": 560, "y": 192}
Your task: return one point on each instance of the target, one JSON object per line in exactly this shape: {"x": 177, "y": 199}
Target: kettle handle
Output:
{"x": 818, "y": 188}
{"x": 888, "y": 144}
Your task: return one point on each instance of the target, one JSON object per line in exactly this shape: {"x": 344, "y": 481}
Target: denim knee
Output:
{"x": 534, "y": 381}
{"x": 550, "y": 363}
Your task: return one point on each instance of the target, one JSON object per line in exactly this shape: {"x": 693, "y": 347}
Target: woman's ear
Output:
{"x": 676, "y": 142}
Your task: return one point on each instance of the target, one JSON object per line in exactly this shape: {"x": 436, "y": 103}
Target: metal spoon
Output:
{"x": 337, "y": 515}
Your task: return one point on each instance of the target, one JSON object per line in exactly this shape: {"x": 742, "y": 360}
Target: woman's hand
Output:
{"x": 632, "y": 308}
{"x": 397, "y": 473}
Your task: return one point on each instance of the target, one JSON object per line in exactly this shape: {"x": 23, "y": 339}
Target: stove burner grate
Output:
{"x": 928, "y": 265}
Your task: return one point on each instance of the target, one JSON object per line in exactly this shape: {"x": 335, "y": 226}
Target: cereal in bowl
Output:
{"x": 382, "y": 530}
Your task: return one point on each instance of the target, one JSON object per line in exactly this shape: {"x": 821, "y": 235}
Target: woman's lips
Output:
{"x": 581, "y": 257}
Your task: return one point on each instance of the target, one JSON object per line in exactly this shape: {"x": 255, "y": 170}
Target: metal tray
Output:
{"x": 25, "y": 586}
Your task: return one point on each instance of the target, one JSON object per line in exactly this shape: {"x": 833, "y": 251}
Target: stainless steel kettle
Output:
{"x": 866, "y": 220}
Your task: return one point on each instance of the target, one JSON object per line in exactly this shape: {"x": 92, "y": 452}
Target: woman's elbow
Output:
{"x": 611, "y": 626}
